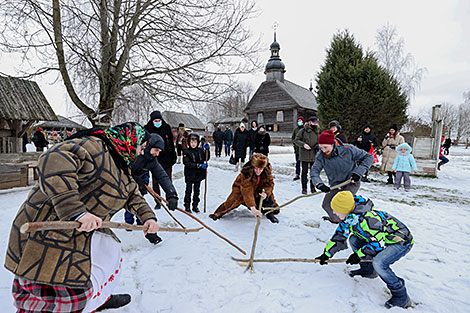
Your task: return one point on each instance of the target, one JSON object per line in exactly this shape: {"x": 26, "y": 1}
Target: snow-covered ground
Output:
{"x": 195, "y": 273}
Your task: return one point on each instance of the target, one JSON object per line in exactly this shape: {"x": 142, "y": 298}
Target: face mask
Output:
{"x": 261, "y": 130}
{"x": 157, "y": 124}
{"x": 300, "y": 123}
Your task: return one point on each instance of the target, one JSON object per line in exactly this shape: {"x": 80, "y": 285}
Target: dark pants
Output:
{"x": 306, "y": 166}
{"x": 227, "y": 149}
{"x": 218, "y": 149}
{"x": 128, "y": 216}
{"x": 446, "y": 150}
{"x": 155, "y": 185}
{"x": 326, "y": 204}
{"x": 187, "y": 194}
{"x": 297, "y": 164}
{"x": 240, "y": 160}
{"x": 179, "y": 149}
{"x": 406, "y": 180}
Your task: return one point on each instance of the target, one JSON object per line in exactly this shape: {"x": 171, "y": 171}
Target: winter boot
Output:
{"x": 153, "y": 238}
{"x": 439, "y": 166}
{"x": 195, "y": 208}
{"x": 312, "y": 188}
{"x": 390, "y": 178}
{"x": 115, "y": 301}
{"x": 297, "y": 177}
{"x": 236, "y": 167}
{"x": 366, "y": 270}
{"x": 304, "y": 191}
{"x": 214, "y": 217}
{"x": 157, "y": 206}
{"x": 187, "y": 207}
{"x": 399, "y": 297}
{"x": 270, "y": 216}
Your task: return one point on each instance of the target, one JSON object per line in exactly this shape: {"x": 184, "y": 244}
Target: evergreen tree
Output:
{"x": 353, "y": 89}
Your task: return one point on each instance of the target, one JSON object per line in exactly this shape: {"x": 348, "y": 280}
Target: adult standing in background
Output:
{"x": 335, "y": 126}
{"x": 218, "y": 137}
{"x": 262, "y": 141}
{"x": 307, "y": 141}
{"x": 390, "y": 142}
{"x": 228, "y": 140}
{"x": 252, "y": 136}
{"x": 39, "y": 140}
{"x": 181, "y": 142}
{"x": 299, "y": 126}
{"x": 24, "y": 140}
{"x": 446, "y": 145}
{"x": 240, "y": 143}
{"x": 365, "y": 140}
{"x": 166, "y": 158}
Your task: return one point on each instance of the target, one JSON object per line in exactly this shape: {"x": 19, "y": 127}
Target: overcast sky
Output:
{"x": 436, "y": 33}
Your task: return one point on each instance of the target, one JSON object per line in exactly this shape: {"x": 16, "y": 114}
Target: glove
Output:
{"x": 353, "y": 259}
{"x": 204, "y": 166}
{"x": 324, "y": 188}
{"x": 392, "y": 146}
{"x": 355, "y": 178}
{"x": 206, "y": 146}
{"x": 323, "y": 259}
{"x": 153, "y": 238}
{"x": 172, "y": 202}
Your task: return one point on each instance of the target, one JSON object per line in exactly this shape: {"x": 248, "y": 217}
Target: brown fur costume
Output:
{"x": 246, "y": 189}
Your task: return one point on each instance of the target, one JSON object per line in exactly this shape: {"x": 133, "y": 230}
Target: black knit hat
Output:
{"x": 156, "y": 115}
{"x": 394, "y": 126}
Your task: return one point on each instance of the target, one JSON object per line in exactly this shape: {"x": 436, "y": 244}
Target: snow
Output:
{"x": 195, "y": 273}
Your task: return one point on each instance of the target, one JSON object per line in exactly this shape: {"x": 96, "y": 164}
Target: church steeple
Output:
{"x": 275, "y": 69}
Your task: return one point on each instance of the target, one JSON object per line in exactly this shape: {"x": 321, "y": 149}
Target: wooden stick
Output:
{"x": 159, "y": 199}
{"x": 306, "y": 196}
{"x": 155, "y": 195}
{"x": 255, "y": 238}
{"x": 32, "y": 227}
{"x": 205, "y": 185}
{"x": 244, "y": 262}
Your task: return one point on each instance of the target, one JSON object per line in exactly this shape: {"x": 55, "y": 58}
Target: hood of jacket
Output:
{"x": 404, "y": 145}
{"x": 362, "y": 205}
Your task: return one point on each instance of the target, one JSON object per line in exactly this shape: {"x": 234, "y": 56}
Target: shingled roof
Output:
{"x": 22, "y": 99}
{"x": 62, "y": 123}
{"x": 190, "y": 121}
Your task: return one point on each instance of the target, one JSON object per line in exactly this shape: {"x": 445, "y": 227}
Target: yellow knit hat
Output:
{"x": 343, "y": 202}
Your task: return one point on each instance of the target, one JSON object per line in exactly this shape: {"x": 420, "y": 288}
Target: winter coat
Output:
{"x": 342, "y": 137}
{"x": 240, "y": 143}
{"x": 75, "y": 176}
{"x": 262, "y": 142}
{"x": 182, "y": 139}
{"x": 218, "y": 136}
{"x": 39, "y": 139}
{"x": 167, "y": 158}
{"x": 252, "y": 138}
{"x": 228, "y": 139}
{"x": 447, "y": 143}
{"x": 308, "y": 136}
{"x": 368, "y": 139}
{"x": 404, "y": 163}
{"x": 345, "y": 160}
{"x": 294, "y": 134}
{"x": 378, "y": 228}
{"x": 147, "y": 163}
{"x": 192, "y": 159}
{"x": 389, "y": 154}
{"x": 246, "y": 190}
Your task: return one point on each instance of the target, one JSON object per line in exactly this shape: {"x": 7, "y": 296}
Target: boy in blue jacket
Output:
{"x": 404, "y": 163}
{"x": 373, "y": 235}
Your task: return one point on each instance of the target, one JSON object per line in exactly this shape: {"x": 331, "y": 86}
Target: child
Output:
{"x": 373, "y": 235}
{"x": 195, "y": 167}
{"x": 404, "y": 162}
{"x": 443, "y": 159}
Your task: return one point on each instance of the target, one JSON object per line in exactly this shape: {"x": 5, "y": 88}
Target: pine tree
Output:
{"x": 353, "y": 89}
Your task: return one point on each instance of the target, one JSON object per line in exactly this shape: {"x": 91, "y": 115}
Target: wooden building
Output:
{"x": 278, "y": 102}
{"x": 22, "y": 104}
{"x": 190, "y": 121}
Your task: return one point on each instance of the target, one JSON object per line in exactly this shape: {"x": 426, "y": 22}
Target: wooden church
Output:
{"x": 278, "y": 102}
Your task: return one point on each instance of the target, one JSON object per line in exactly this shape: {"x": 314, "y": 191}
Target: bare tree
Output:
{"x": 232, "y": 103}
{"x": 450, "y": 118}
{"x": 402, "y": 66}
{"x": 176, "y": 51}
{"x": 463, "y": 128}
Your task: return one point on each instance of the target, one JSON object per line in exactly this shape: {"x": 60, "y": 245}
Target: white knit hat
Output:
{"x": 242, "y": 125}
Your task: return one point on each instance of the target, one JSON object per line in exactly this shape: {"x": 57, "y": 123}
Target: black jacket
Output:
{"x": 368, "y": 139}
{"x": 168, "y": 156}
{"x": 192, "y": 157}
{"x": 252, "y": 138}
{"x": 262, "y": 143}
{"x": 218, "y": 136}
{"x": 240, "y": 143}
{"x": 39, "y": 139}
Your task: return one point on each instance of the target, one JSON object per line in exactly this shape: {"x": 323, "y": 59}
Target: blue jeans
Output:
{"x": 227, "y": 149}
{"x": 382, "y": 261}
{"x": 443, "y": 159}
{"x": 252, "y": 150}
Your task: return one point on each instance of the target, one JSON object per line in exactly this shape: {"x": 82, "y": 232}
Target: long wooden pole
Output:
{"x": 155, "y": 195}
{"x": 32, "y": 227}
{"x": 255, "y": 238}
{"x": 245, "y": 262}
{"x": 306, "y": 196}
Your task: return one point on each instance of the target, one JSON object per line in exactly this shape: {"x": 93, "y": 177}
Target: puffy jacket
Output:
{"x": 345, "y": 160}
{"x": 240, "y": 143}
{"x": 378, "y": 228}
{"x": 218, "y": 136}
{"x": 192, "y": 157}
{"x": 368, "y": 139}
{"x": 262, "y": 142}
{"x": 404, "y": 163}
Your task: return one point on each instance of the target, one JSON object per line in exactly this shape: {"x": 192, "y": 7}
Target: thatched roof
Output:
{"x": 22, "y": 99}
{"x": 189, "y": 120}
{"x": 62, "y": 123}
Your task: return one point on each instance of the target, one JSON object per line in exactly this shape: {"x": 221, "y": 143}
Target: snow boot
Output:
{"x": 312, "y": 188}
{"x": 439, "y": 166}
{"x": 153, "y": 238}
{"x": 214, "y": 217}
{"x": 399, "y": 297}
{"x": 157, "y": 206}
{"x": 304, "y": 191}
{"x": 115, "y": 301}
{"x": 366, "y": 270}
{"x": 297, "y": 177}
{"x": 270, "y": 216}
{"x": 390, "y": 178}
{"x": 195, "y": 208}
{"x": 187, "y": 207}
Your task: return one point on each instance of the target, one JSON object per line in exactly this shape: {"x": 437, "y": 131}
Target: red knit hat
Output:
{"x": 301, "y": 118}
{"x": 327, "y": 137}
